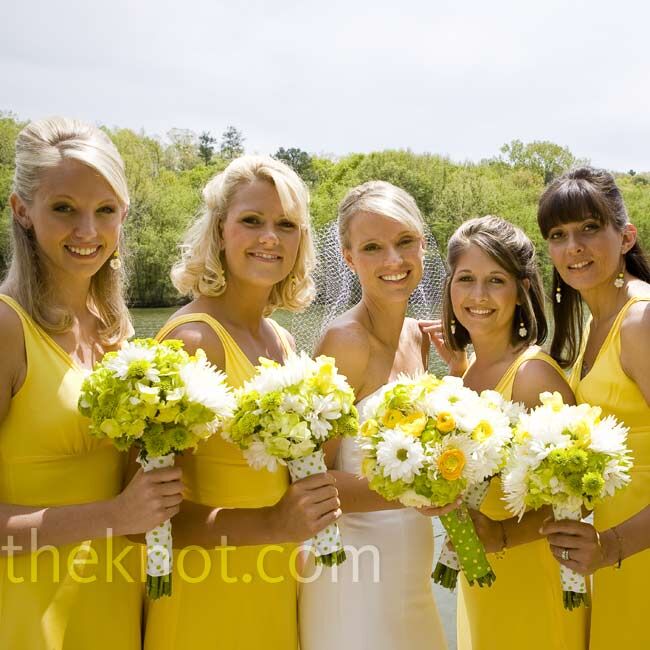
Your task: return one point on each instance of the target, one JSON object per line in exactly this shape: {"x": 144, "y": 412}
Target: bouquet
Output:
{"x": 284, "y": 415}
{"x": 497, "y": 447}
{"x": 422, "y": 445}
{"x": 159, "y": 398}
{"x": 566, "y": 457}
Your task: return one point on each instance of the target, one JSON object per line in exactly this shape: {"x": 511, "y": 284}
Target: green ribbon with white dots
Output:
{"x": 159, "y": 542}
{"x": 327, "y": 542}
{"x": 469, "y": 548}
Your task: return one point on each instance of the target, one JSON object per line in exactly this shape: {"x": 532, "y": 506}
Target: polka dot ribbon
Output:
{"x": 574, "y": 586}
{"x": 159, "y": 540}
{"x": 474, "y": 497}
{"x": 327, "y": 543}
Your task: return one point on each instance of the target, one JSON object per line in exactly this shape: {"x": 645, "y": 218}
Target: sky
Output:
{"x": 453, "y": 78}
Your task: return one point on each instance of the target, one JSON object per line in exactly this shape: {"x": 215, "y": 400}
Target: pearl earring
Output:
{"x": 453, "y": 326}
{"x": 558, "y": 294}
{"x": 523, "y": 332}
{"x": 620, "y": 280}
{"x": 116, "y": 262}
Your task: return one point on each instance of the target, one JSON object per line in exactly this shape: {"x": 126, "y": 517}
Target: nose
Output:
{"x": 479, "y": 291}
{"x": 393, "y": 256}
{"x": 574, "y": 243}
{"x": 268, "y": 237}
{"x": 86, "y": 225}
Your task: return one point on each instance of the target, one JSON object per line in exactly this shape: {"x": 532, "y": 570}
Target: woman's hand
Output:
{"x": 489, "y": 531}
{"x": 308, "y": 506}
{"x": 432, "y": 511}
{"x": 456, "y": 360}
{"x": 147, "y": 501}
{"x": 586, "y": 550}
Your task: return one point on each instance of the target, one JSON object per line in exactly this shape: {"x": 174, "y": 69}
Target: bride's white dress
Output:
{"x": 380, "y": 598}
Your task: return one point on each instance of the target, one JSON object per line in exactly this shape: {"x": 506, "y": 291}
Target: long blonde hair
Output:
{"x": 200, "y": 271}
{"x": 40, "y": 146}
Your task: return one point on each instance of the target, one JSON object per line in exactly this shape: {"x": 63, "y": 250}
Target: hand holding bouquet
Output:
{"x": 566, "y": 457}
{"x": 284, "y": 415}
{"x": 161, "y": 399}
{"x": 425, "y": 443}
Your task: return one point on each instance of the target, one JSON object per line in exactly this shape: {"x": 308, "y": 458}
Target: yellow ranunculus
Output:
{"x": 392, "y": 418}
{"x": 451, "y": 463}
{"x": 429, "y": 381}
{"x": 414, "y": 424}
{"x": 582, "y": 432}
{"x": 554, "y": 400}
{"x": 367, "y": 466}
{"x": 482, "y": 431}
{"x": 369, "y": 428}
{"x": 445, "y": 422}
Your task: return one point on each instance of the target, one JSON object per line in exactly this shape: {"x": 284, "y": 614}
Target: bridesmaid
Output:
{"x": 61, "y": 308}
{"x": 598, "y": 262}
{"x": 494, "y": 300}
{"x": 380, "y": 598}
{"x": 249, "y": 253}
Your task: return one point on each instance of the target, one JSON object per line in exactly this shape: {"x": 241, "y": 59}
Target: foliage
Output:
{"x": 206, "y": 140}
{"x": 232, "y": 143}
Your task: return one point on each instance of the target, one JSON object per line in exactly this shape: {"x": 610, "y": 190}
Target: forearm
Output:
{"x": 356, "y": 496}
{"x": 24, "y": 529}
{"x": 209, "y": 527}
{"x": 521, "y": 532}
{"x": 627, "y": 538}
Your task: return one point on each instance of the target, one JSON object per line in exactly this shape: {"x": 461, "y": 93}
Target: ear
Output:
{"x": 20, "y": 211}
{"x": 348, "y": 259}
{"x": 125, "y": 214}
{"x": 526, "y": 283}
{"x": 629, "y": 237}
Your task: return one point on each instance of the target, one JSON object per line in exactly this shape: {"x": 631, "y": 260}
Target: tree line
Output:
{"x": 166, "y": 176}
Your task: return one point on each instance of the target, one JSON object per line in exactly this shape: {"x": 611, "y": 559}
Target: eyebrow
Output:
{"x": 490, "y": 273}
{"x": 413, "y": 233}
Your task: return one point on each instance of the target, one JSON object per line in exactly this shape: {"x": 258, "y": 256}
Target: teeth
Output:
{"x": 265, "y": 256}
{"x": 394, "y": 278}
{"x": 83, "y": 251}
{"x": 480, "y": 312}
{"x": 579, "y": 265}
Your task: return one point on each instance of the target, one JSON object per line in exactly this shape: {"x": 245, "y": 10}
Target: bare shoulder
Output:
{"x": 635, "y": 336}
{"x": 287, "y": 335}
{"x": 536, "y": 376}
{"x": 12, "y": 352}
{"x": 197, "y": 335}
{"x": 348, "y": 341}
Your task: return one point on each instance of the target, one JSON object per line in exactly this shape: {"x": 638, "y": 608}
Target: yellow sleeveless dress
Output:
{"x": 523, "y": 608}
{"x": 620, "y": 596}
{"x": 70, "y": 597}
{"x": 231, "y": 598}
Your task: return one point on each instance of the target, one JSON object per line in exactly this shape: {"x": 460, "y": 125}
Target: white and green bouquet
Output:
{"x": 495, "y": 444}
{"x": 566, "y": 457}
{"x": 423, "y": 443}
{"x": 284, "y": 414}
{"x": 162, "y": 400}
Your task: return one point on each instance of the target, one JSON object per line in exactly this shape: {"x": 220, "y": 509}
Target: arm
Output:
{"x": 146, "y": 502}
{"x": 456, "y": 360}
{"x": 535, "y": 377}
{"x": 635, "y": 334}
{"x": 308, "y": 505}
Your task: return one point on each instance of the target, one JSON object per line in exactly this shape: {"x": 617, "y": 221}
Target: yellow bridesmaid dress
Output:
{"x": 71, "y": 597}
{"x": 231, "y": 598}
{"x": 523, "y": 607}
{"x": 619, "y": 613}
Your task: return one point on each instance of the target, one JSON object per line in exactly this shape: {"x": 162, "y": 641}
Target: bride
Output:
{"x": 380, "y": 598}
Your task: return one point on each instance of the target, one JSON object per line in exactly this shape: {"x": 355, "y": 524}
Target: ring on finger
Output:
{"x": 565, "y": 554}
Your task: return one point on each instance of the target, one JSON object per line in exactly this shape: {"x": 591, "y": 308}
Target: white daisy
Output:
{"x": 258, "y": 458}
{"x": 400, "y": 455}
{"x": 205, "y": 385}
{"x": 129, "y": 353}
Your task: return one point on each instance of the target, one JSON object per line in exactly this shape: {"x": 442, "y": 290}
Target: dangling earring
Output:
{"x": 116, "y": 262}
{"x": 523, "y": 332}
{"x": 558, "y": 294}
{"x": 453, "y": 326}
{"x": 620, "y": 280}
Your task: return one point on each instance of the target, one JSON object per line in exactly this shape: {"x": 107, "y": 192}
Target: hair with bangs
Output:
{"x": 512, "y": 250}
{"x": 580, "y": 194}
{"x": 379, "y": 197}
{"x": 41, "y": 146}
{"x": 201, "y": 270}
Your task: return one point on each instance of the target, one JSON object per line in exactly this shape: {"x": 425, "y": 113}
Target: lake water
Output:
{"x": 147, "y": 321}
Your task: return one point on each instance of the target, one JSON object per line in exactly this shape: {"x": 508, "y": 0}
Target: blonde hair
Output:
{"x": 200, "y": 271}
{"x": 379, "y": 197}
{"x": 41, "y": 146}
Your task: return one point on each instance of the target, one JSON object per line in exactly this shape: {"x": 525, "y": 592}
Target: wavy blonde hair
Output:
{"x": 201, "y": 272}
{"x": 41, "y": 146}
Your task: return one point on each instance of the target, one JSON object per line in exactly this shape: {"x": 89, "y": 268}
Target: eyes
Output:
{"x": 68, "y": 208}
{"x": 254, "y": 220}
{"x": 466, "y": 277}
{"x": 404, "y": 242}
{"x": 557, "y": 234}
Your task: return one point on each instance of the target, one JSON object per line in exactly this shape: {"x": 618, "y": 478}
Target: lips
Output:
{"x": 395, "y": 277}
{"x": 479, "y": 311}
{"x": 83, "y": 251}
{"x": 577, "y": 266}
{"x": 266, "y": 257}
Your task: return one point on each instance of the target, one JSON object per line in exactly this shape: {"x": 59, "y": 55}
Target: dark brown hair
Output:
{"x": 580, "y": 194}
{"x": 511, "y": 249}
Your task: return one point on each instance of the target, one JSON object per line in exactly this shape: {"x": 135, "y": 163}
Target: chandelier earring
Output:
{"x": 116, "y": 262}
{"x": 453, "y": 326}
{"x": 620, "y": 278}
{"x": 558, "y": 294}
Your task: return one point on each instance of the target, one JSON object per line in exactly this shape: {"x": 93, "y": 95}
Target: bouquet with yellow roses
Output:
{"x": 423, "y": 445}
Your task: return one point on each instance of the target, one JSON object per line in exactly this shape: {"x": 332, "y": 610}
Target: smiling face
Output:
{"x": 588, "y": 253}
{"x": 386, "y": 254}
{"x": 483, "y": 294}
{"x": 75, "y": 217}
{"x": 260, "y": 242}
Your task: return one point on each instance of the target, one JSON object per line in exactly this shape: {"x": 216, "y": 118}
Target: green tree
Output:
{"x": 545, "y": 158}
{"x": 182, "y": 152}
{"x": 206, "y": 148}
{"x": 299, "y": 160}
{"x": 232, "y": 143}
